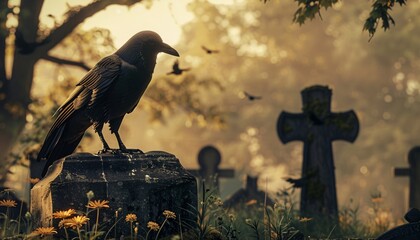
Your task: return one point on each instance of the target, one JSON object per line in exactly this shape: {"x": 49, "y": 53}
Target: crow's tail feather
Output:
{"x": 63, "y": 138}
{"x": 60, "y": 150}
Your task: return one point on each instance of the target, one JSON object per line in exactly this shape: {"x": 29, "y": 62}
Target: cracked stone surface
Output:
{"x": 142, "y": 183}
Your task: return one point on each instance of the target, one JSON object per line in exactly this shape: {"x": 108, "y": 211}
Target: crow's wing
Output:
{"x": 175, "y": 67}
{"x": 100, "y": 77}
{"x": 88, "y": 93}
{"x": 92, "y": 88}
{"x": 98, "y": 81}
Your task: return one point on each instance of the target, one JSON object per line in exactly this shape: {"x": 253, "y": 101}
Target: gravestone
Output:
{"x": 209, "y": 159}
{"x": 248, "y": 196}
{"x": 413, "y": 172}
{"x": 143, "y": 184}
{"x": 409, "y": 231}
{"x": 317, "y": 127}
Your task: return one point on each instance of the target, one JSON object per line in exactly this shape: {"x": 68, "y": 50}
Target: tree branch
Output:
{"x": 62, "y": 61}
{"x": 77, "y": 18}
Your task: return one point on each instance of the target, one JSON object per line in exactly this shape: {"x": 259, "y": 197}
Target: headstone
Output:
{"x": 413, "y": 172}
{"x": 317, "y": 127}
{"x": 209, "y": 159}
{"x": 143, "y": 184}
{"x": 249, "y": 196}
{"x": 409, "y": 231}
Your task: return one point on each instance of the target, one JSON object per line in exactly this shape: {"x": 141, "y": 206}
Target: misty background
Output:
{"x": 262, "y": 52}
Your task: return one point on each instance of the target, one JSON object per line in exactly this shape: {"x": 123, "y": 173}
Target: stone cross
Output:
{"x": 413, "y": 172}
{"x": 317, "y": 127}
{"x": 209, "y": 159}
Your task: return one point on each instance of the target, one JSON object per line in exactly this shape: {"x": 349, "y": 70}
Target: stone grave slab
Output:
{"x": 143, "y": 184}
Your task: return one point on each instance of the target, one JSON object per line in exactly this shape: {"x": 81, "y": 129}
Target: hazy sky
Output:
{"x": 163, "y": 18}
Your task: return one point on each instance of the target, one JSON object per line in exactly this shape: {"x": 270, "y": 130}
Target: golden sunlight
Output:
{"x": 128, "y": 21}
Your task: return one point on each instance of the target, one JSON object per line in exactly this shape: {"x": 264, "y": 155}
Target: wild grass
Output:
{"x": 250, "y": 221}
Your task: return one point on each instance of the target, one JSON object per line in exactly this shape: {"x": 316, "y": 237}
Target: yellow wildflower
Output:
{"x": 98, "y": 204}
{"x": 131, "y": 217}
{"x": 44, "y": 231}
{"x": 7, "y": 203}
{"x": 305, "y": 219}
{"x": 169, "y": 214}
{"x": 90, "y": 195}
{"x": 64, "y": 223}
{"x": 378, "y": 199}
{"x": 219, "y": 202}
{"x": 153, "y": 226}
{"x": 345, "y": 219}
{"x": 64, "y": 214}
{"x": 251, "y": 202}
{"x": 75, "y": 222}
{"x": 382, "y": 219}
{"x": 274, "y": 235}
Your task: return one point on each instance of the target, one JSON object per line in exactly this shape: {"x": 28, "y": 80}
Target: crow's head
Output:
{"x": 143, "y": 48}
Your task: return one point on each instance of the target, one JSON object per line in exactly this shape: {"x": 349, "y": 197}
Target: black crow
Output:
{"x": 111, "y": 89}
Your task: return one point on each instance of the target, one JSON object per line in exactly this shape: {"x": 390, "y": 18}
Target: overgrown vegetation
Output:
{"x": 254, "y": 221}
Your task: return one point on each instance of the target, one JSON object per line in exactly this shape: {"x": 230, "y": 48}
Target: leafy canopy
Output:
{"x": 308, "y": 9}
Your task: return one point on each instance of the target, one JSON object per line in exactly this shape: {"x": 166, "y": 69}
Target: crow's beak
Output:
{"x": 168, "y": 49}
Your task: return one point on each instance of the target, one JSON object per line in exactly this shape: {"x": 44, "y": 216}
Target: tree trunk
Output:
{"x": 14, "y": 106}
{"x": 13, "y": 111}
{"x": 10, "y": 128}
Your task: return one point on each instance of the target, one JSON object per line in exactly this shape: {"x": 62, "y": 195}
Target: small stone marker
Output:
{"x": 409, "y": 231}
{"x": 413, "y": 172}
{"x": 248, "y": 196}
{"x": 143, "y": 184}
{"x": 317, "y": 127}
{"x": 209, "y": 159}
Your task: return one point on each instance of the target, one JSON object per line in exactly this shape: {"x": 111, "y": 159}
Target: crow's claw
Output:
{"x": 107, "y": 150}
{"x": 126, "y": 150}
{"x": 120, "y": 151}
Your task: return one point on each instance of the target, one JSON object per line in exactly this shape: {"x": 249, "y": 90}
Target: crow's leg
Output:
{"x": 98, "y": 129}
{"x": 120, "y": 143}
{"x": 114, "y": 126}
{"x": 104, "y": 143}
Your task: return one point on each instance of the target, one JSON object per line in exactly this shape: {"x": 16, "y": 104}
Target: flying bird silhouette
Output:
{"x": 252, "y": 97}
{"x": 176, "y": 70}
{"x": 209, "y": 51}
{"x": 111, "y": 89}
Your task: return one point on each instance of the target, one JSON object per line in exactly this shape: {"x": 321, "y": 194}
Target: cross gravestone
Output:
{"x": 145, "y": 184}
{"x": 317, "y": 127}
{"x": 248, "y": 196}
{"x": 413, "y": 172}
{"x": 209, "y": 159}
